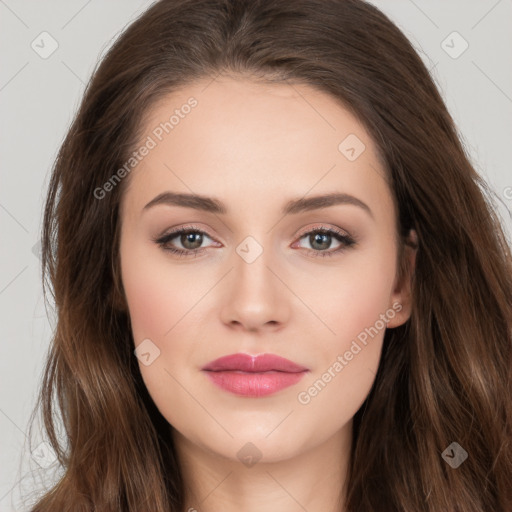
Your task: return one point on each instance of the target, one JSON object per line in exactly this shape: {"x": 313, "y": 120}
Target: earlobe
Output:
{"x": 401, "y": 299}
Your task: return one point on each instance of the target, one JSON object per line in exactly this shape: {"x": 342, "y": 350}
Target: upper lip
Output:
{"x": 249, "y": 363}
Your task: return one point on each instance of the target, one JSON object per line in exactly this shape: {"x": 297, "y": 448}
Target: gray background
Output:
{"x": 38, "y": 99}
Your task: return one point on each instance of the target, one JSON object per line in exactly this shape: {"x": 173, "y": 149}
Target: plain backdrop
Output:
{"x": 466, "y": 44}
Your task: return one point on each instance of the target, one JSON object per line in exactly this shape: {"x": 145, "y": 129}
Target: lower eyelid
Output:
{"x": 345, "y": 240}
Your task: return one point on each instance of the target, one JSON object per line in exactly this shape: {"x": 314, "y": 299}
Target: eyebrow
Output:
{"x": 294, "y": 206}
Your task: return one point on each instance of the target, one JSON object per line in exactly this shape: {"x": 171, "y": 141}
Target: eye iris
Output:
{"x": 320, "y": 238}
{"x": 189, "y": 237}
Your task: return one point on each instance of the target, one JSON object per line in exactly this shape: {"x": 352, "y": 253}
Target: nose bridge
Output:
{"x": 256, "y": 294}
{"x": 252, "y": 260}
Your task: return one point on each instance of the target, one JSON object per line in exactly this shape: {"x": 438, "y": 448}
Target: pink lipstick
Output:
{"x": 254, "y": 376}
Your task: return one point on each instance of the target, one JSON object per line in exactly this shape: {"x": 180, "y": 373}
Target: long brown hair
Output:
{"x": 445, "y": 375}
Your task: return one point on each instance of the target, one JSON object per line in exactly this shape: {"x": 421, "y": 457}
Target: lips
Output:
{"x": 254, "y": 376}
{"x": 253, "y": 364}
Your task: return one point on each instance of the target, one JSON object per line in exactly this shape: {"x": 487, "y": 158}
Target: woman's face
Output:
{"x": 268, "y": 267}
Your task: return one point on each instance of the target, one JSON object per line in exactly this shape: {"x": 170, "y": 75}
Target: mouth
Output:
{"x": 254, "y": 376}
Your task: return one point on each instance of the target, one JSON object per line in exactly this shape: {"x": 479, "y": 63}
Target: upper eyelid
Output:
{"x": 176, "y": 232}
{"x": 330, "y": 229}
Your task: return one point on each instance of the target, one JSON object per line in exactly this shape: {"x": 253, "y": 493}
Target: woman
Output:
{"x": 247, "y": 372}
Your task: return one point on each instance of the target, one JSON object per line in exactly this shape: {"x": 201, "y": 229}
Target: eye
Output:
{"x": 320, "y": 239}
{"x": 191, "y": 239}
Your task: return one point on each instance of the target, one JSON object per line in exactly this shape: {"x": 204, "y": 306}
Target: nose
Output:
{"x": 256, "y": 296}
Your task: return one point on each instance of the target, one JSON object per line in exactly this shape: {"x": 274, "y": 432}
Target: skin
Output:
{"x": 254, "y": 147}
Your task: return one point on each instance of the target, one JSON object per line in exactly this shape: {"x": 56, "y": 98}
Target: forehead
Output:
{"x": 255, "y": 142}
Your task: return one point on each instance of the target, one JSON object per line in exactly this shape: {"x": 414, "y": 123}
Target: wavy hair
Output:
{"x": 444, "y": 375}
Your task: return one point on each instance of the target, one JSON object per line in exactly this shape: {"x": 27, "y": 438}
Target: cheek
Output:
{"x": 151, "y": 303}
{"x": 351, "y": 296}
{"x": 355, "y": 304}
{"x": 158, "y": 296}
{"x": 158, "y": 301}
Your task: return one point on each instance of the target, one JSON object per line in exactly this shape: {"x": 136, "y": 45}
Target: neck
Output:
{"x": 314, "y": 480}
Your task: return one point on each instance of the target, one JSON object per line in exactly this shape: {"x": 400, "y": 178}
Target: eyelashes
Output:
{"x": 189, "y": 235}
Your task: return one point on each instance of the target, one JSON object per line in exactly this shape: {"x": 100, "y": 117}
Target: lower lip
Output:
{"x": 254, "y": 384}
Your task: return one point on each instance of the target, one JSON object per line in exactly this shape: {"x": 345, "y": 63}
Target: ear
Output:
{"x": 401, "y": 298}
